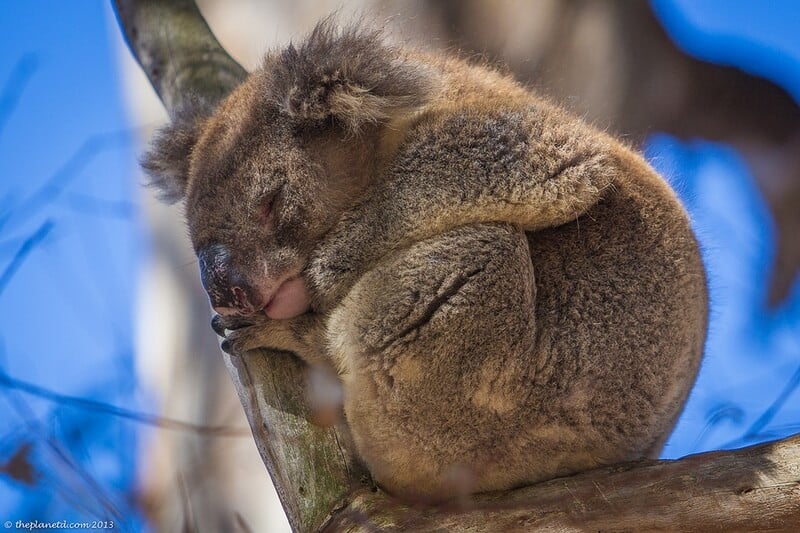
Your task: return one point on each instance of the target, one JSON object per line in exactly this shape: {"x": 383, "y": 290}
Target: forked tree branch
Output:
{"x": 319, "y": 483}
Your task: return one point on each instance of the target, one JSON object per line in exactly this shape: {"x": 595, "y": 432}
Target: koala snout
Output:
{"x": 227, "y": 289}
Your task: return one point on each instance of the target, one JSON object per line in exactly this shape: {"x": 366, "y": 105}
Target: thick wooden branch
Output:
{"x": 319, "y": 483}
{"x": 176, "y": 49}
{"x": 752, "y": 489}
{"x": 311, "y": 466}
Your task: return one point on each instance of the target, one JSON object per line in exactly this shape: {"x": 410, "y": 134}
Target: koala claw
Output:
{"x": 218, "y": 325}
{"x": 226, "y": 347}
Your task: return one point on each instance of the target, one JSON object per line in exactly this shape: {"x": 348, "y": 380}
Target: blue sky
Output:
{"x": 758, "y": 37}
{"x": 66, "y": 189}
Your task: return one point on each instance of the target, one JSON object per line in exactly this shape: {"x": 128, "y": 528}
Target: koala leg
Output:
{"x": 435, "y": 350}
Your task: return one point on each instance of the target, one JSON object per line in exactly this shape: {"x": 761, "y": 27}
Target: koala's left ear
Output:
{"x": 349, "y": 75}
{"x": 167, "y": 161}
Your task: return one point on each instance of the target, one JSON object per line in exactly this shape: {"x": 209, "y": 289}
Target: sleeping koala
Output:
{"x": 498, "y": 286}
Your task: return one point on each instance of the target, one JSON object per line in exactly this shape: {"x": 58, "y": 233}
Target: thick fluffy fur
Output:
{"x": 347, "y": 76}
{"x": 503, "y": 290}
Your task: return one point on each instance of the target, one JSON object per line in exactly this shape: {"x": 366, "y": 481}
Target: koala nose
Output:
{"x": 227, "y": 289}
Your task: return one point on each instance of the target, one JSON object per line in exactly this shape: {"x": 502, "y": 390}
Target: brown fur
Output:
{"x": 504, "y": 290}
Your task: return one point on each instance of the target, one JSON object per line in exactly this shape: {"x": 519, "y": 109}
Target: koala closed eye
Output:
{"x": 268, "y": 208}
{"x": 271, "y": 203}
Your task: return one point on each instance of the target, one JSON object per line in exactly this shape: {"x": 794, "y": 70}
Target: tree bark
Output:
{"x": 751, "y": 489}
{"x": 176, "y": 49}
{"x": 322, "y": 486}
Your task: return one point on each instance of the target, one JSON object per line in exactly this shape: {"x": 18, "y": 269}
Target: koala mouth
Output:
{"x": 288, "y": 300}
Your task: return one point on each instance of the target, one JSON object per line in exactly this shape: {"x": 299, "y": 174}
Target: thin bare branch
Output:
{"x": 7, "y": 381}
{"x": 27, "y": 246}
{"x": 12, "y": 91}
{"x": 56, "y": 184}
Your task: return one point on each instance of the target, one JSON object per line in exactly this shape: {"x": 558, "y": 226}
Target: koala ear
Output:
{"x": 167, "y": 161}
{"x": 348, "y": 75}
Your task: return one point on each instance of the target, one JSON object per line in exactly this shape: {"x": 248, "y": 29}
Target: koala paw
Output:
{"x": 241, "y": 333}
{"x": 299, "y": 335}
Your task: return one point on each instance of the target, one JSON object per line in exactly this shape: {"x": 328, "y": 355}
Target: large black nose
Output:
{"x": 227, "y": 288}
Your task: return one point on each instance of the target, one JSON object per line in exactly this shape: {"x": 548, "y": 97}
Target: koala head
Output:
{"x": 266, "y": 174}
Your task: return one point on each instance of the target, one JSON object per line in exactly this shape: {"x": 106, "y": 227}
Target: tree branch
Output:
{"x": 320, "y": 484}
{"x": 176, "y": 49}
{"x": 751, "y": 489}
{"x": 312, "y": 467}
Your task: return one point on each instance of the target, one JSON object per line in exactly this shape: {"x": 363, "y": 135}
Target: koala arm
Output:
{"x": 533, "y": 167}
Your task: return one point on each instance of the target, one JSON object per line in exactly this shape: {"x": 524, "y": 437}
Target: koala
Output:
{"x": 500, "y": 288}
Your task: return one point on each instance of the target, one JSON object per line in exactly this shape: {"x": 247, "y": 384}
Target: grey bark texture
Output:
{"x": 322, "y": 486}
